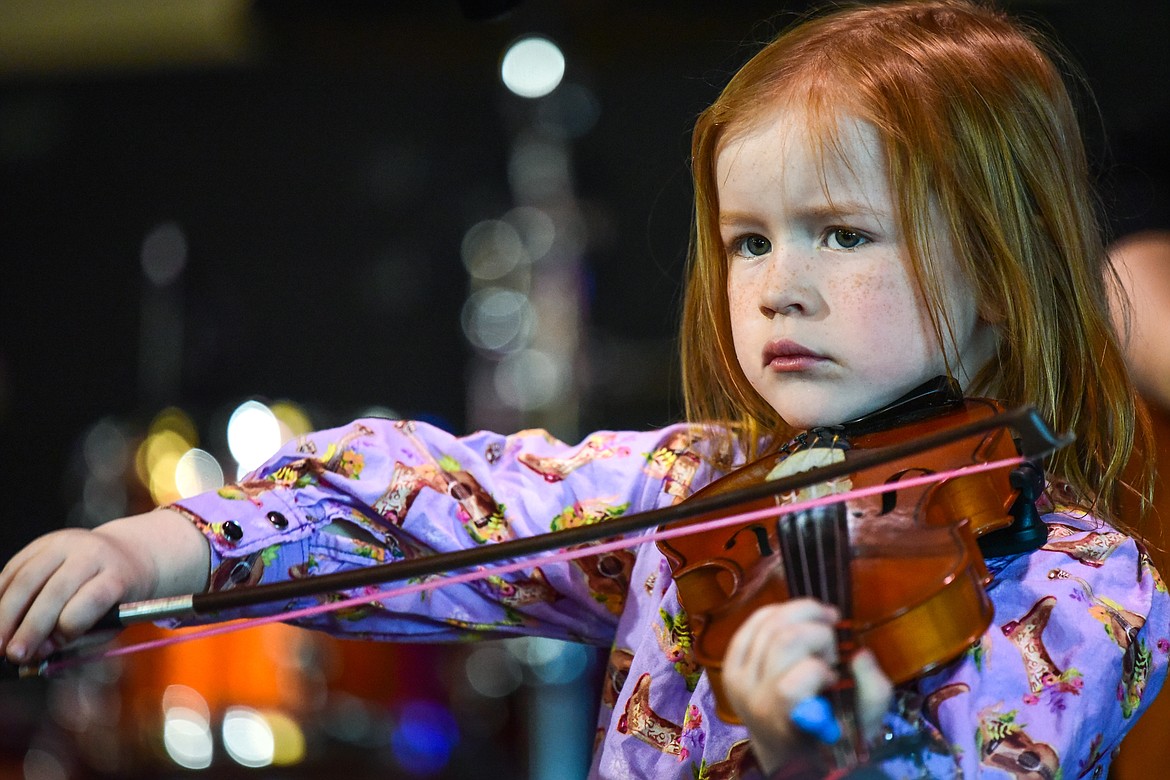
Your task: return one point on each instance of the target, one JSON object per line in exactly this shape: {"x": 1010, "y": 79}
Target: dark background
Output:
{"x": 324, "y": 171}
{"x": 324, "y": 160}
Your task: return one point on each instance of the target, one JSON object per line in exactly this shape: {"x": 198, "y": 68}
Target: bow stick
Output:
{"x": 1036, "y": 440}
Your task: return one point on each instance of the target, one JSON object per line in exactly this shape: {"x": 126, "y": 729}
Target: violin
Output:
{"x": 904, "y": 566}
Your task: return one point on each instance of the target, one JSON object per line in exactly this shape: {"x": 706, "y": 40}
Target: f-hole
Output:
{"x": 890, "y": 497}
{"x": 761, "y": 535}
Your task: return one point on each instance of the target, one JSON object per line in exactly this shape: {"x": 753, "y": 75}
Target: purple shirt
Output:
{"x": 1077, "y": 648}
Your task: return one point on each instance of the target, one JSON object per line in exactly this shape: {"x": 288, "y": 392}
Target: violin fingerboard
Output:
{"x": 814, "y": 547}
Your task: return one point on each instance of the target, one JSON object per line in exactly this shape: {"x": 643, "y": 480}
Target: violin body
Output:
{"x": 903, "y": 566}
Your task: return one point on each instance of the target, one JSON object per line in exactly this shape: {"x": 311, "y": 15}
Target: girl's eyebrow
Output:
{"x": 836, "y": 210}
{"x": 736, "y": 217}
{"x": 839, "y": 209}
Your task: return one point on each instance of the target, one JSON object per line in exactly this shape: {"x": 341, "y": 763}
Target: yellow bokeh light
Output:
{"x": 176, "y": 420}
{"x": 288, "y": 739}
{"x": 293, "y": 420}
{"x": 157, "y": 446}
{"x": 163, "y": 488}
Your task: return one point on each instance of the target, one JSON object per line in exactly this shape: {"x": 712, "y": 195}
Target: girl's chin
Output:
{"x": 826, "y": 416}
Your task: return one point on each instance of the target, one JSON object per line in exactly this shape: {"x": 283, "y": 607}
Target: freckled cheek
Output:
{"x": 863, "y": 299}
{"x": 743, "y": 308}
{"x": 740, "y": 304}
{"x": 881, "y": 312}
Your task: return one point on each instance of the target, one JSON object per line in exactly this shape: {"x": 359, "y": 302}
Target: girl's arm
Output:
{"x": 375, "y": 492}
{"x": 52, "y": 591}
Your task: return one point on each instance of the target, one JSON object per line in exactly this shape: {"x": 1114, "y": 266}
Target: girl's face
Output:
{"x": 827, "y": 321}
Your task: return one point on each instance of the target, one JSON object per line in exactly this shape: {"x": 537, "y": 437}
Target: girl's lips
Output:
{"x": 785, "y": 355}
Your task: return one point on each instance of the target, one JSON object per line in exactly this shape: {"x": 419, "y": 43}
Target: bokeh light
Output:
{"x": 553, "y": 661}
{"x": 492, "y": 249}
{"x": 424, "y": 737}
{"x": 107, "y": 454}
{"x": 492, "y": 671}
{"x": 288, "y": 739}
{"x": 42, "y": 764}
{"x": 530, "y": 379}
{"x": 497, "y": 319}
{"x": 197, "y": 471}
{"x": 105, "y": 450}
{"x": 292, "y": 420}
{"x": 532, "y": 67}
{"x": 535, "y": 228}
{"x": 539, "y": 169}
{"x": 377, "y": 410}
{"x": 171, "y": 434}
{"x": 187, "y": 727}
{"x": 247, "y": 737}
{"x": 164, "y": 253}
{"x": 253, "y": 435}
{"x": 572, "y": 112}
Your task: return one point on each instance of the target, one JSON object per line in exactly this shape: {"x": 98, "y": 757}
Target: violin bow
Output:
{"x": 1035, "y": 440}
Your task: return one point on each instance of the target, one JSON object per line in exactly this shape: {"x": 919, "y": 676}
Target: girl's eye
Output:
{"x": 753, "y": 246}
{"x": 844, "y": 238}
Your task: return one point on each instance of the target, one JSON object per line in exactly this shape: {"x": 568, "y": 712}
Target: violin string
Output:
{"x": 829, "y": 593}
{"x": 366, "y": 598}
{"x": 817, "y": 519}
{"x": 844, "y": 583}
{"x": 808, "y": 566}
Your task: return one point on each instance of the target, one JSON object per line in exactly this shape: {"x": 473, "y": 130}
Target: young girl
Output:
{"x": 883, "y": 195}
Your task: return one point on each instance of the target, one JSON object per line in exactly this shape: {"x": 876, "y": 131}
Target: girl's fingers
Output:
{"x": 11, "y": 592}
{"x": 771, "y": 700}
{"x": 65, "y": 581}
{"x": 93, "y": 599}
{"x": 874, "y": 691}
{"x": 767, "y": 627}
{"x": 778, "y": 636}
{"x": 45, "y": 597}
{"x": 781, "y": 654}
{"x": 805, "y": 679}
{"x": 26, "y": 581}
{"x": 59, "y": 582}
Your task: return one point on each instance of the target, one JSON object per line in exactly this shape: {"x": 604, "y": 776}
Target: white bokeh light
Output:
{"x": 530, "y": 379}
{"x": 497, "y": 319}
{"x": 247, "y": 737}
{"x": 197, "y": 472}
{"x": 187, "y": 737}
{"x": 532, "y": 67}
{"x": 536, "y": 230}
{"x": 253, "y": 434}
{"x": 491, "y": 249}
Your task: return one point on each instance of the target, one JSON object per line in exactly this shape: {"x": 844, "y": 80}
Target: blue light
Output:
{"x": 424, "y": 737}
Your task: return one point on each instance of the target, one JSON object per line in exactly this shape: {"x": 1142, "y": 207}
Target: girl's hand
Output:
{"x": 57, "y": 587}
{"x": 782, "y": 655}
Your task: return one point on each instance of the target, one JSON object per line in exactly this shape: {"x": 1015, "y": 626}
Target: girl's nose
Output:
{"x": 788, "y": 310}
{"x": 787, "y": 292}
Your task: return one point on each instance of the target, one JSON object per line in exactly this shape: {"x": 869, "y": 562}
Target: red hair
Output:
{"x": 974, "y": 117}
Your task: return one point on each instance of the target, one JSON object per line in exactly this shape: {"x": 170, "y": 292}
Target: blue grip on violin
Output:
{"x": 814, "y": 716}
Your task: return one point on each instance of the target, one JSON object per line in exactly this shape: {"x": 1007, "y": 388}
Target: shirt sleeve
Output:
{"x": 380, "y": 491}
{"x": 1076, "y": 652}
